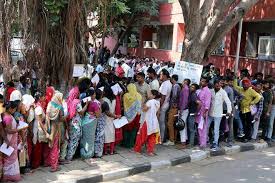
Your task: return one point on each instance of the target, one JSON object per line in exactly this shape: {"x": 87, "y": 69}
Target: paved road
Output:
{"x": 247, "y": 167}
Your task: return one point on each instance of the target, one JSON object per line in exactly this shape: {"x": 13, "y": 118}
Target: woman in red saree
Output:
{"x": 46, "y": 150}
{"x": 11, "y": 171}
{"x": 39, "y": 131}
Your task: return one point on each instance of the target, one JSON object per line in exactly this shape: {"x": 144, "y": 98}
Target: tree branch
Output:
{"x": 185, "y": 9}
{"x": 206, "y": 7}
{"x": 229, "y": 22}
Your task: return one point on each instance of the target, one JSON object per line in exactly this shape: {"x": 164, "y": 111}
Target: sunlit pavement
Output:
{"x": 250, "y": 167}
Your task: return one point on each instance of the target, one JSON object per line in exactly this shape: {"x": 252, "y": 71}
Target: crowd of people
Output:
{"x": 159, "y": 109}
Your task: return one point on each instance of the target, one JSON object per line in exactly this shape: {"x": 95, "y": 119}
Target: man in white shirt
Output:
{"x": 126, "y": 69}
{"x": 164, "y": 65}
{"x": 152, "y": 75}
{"x": 156, "y": 65}
{"x": 113, "y": 61}
{"x": 165, "y": 91}
{"x": 144, "y": 68}
{"x": 219, "y": 97}
{"x": 99, "y": 68}
{"x": 170, "y": 68}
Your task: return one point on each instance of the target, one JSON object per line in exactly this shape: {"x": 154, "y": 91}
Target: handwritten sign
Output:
{"x": 79, "y": 70}
{"x": 186, "y": 70}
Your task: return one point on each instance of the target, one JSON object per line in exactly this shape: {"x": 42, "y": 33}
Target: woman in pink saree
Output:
{"x": 11, "y": 171}
{"x": 54, "y": 116}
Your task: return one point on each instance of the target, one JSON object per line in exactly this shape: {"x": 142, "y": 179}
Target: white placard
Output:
{"x": 22, "y": 125}
{"x": 118, "y": 123}
{"x": 87, "y": 99}
{"x": 5, "y": 150}
{"x": 186, "y": 70}
{"x": 79, "y": 70}
{"x": 116, "y": 89}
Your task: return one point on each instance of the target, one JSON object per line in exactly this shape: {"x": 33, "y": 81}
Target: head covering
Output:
{"x": 8, "y": 92}
{"x": 16, "y": 96}
{"x": 246, "y": 82}
{"x": 131, "y": 96}
{"x": 72, "y": 102}
{"x": 73, "y": 94}
{"x": 49, "y": 94}
{"x": 28, "y": 100}
{"x": 55, "y": 106}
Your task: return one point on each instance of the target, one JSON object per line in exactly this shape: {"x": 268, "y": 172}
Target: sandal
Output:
{"x": 64, "y": 162}
{"x": 55, "y": 170}
{"x": 150, "y": 154}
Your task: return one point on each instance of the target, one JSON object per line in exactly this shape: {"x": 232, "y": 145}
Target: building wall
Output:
{"x": 253, "y": 65}
{"x": 110, "y": 43}
{"x": 170, "y": 13}
{"x": 263, "y": 10}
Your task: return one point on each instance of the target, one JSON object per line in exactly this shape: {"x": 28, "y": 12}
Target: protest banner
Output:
{"x": 79, "y": 70}
{"x": 187, "y": 70}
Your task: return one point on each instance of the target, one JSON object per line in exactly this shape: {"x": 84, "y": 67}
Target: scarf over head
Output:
{"x": 49, "y": 94}
{"x": 131, "y": 96}
{"x": 55, "y": 106}
{"x": 72, "y": 102}
{"x": 132, "y": 102}
{"x": 16, "y": 96}
{"x": 28, "y": 100}
{"x": 8, "y": 92}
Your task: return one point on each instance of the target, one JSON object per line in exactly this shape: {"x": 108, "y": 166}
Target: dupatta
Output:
{"x": 132, "y": 102}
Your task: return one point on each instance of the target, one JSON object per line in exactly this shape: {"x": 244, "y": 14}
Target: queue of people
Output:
{"x": 158, "y": 108}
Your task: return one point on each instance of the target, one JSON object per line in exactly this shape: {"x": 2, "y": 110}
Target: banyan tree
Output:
{"x": 55, "y": 35}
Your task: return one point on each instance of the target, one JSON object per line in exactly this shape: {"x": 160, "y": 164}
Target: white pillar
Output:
{"x": 175, "y": 37}
{"x": 238, "y": 46}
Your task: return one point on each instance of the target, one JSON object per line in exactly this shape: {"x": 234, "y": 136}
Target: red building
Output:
{"x": 257, "y": 53}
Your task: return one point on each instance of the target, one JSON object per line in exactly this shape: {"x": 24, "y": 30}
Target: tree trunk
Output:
{"x": 118, "y": 43}
{"x": 5, "y": 36}
{"x": 66, "y": 45}
{"x": 122, "y": 35}
{"x": 193, "y": 51}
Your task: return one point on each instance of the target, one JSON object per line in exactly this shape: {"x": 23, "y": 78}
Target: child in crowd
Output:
{"x": 149, "y": 128}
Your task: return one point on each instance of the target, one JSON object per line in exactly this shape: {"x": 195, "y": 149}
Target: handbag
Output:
{"x": 253, "y": 109}
{"x": 179, "y": 124}
{"x": 41, "y": 135}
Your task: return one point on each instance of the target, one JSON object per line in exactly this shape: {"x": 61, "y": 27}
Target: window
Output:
{"x": 220, "y": 49}
{"x": 251, "y": 45}
{"x": 165, "y": 37}
{"x": 266, "y": 50}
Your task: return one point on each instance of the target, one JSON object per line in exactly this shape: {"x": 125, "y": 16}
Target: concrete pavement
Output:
{"x": 126, "y": 163}
{"x": 247, "y": 167}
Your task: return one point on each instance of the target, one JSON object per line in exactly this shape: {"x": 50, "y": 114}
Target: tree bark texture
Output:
{"x": 7, "y": 16}
{"x": 63, "y": 45}
{"x": 122, "y": 34}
